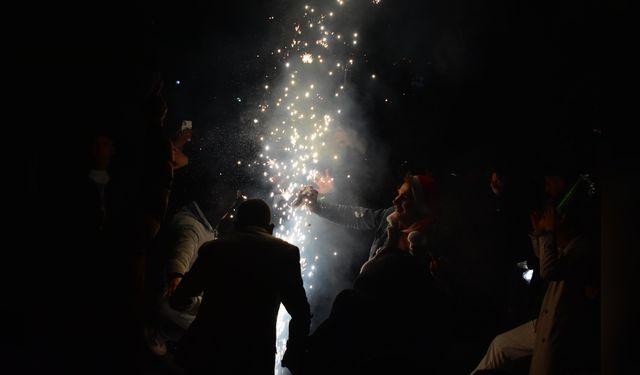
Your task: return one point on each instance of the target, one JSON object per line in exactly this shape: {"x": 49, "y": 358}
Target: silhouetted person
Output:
{"x": 187, "y": 231}
{"x": 410, "y": 212}
{"x": 564, "y": 339}
{"x": 244, "y": 275}
{"x": 508, "y": 250}
{"x": 384, "y": 323}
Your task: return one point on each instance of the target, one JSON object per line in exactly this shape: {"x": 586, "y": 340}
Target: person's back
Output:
{"x": 244, "y": 275}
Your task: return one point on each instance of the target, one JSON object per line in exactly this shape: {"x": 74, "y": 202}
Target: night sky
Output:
{"x": 460, "y": 84}
{"x": 465, "y": 81}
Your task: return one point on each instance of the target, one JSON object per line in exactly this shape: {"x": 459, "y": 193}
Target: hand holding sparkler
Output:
{"x": 307, "y": 196}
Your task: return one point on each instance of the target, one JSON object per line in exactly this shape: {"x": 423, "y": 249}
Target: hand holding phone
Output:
{"x": 186, "y": 125}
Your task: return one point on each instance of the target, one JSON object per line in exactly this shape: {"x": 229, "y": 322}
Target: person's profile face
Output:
{"x": 403, "y": 202}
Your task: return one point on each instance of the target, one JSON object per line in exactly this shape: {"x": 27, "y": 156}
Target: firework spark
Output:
{"x": 300, "y": 125}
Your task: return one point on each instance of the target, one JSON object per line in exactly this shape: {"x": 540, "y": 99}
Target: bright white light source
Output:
{"x": 307, "y": 58}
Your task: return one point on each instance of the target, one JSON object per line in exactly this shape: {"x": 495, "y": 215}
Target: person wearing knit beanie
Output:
{"x": 412, "y": 213}
{"x": 422, "y": 188}
{"x": 413, "y": 199}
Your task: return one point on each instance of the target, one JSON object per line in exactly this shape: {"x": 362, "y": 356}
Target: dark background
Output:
{"x": 470, "y": 82}
{"x": 467, "y": 81}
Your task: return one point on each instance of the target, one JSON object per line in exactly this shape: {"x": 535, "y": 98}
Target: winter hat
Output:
{"x": 422, "y": 188}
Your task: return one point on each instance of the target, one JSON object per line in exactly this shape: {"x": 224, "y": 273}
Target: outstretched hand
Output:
{"x": 308, "y": 196}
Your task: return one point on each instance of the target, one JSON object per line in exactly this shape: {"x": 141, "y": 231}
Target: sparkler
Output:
{"x": 299, "y": 122}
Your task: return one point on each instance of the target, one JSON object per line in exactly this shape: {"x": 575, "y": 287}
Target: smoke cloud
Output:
{"x": 305, "y": 123}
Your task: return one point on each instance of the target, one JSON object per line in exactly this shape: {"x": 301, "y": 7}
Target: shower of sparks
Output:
{"x": 300, "y": 127}
{"x": 307, "y": 58}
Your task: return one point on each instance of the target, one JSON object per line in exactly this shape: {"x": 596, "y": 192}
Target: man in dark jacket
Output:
{"x": 244, "y": 276}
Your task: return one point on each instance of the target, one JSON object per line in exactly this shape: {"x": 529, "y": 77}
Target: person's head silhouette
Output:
{"x": 254, "y": 212}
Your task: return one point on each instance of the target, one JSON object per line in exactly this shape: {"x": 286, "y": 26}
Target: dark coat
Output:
{"x": 359, "y": 218}
{"x": 391, "y": 321}
{"x": 244, "y": 276}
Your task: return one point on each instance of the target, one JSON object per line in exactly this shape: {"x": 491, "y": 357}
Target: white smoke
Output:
{"x": 306, "y": 124}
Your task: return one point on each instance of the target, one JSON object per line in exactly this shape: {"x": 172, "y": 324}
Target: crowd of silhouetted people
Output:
{"x": 493, "y": 272}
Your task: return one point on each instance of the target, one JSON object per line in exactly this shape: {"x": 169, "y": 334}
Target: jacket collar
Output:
{"x": 254, "y": 229}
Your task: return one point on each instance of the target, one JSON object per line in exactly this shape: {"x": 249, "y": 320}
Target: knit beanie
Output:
{"x": 422, "y": 188}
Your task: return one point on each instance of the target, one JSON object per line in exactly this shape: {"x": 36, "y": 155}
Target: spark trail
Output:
{"x": 301, "y": 118}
